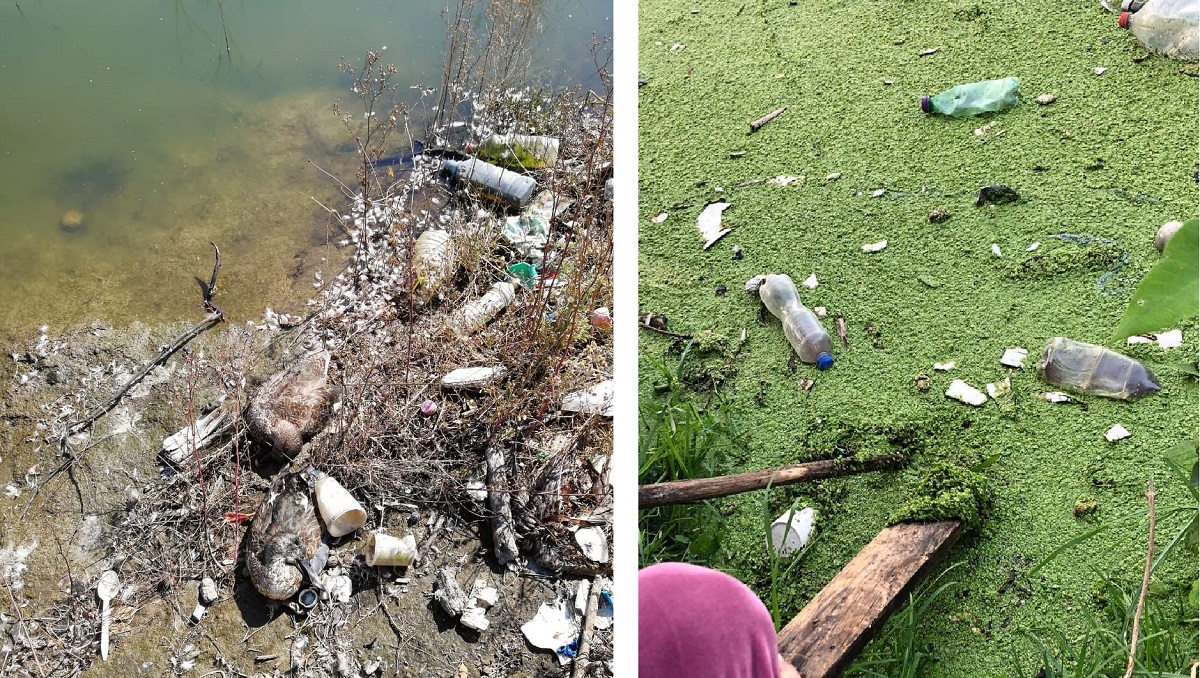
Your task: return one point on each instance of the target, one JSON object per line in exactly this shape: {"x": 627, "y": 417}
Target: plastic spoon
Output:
{"x": 106, "y": 589}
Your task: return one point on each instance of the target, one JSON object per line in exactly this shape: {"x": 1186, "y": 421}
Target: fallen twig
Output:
{"x": 757, "y": 124}
{"x": 585, "y": 634}
{"x": 1137, "y": 615}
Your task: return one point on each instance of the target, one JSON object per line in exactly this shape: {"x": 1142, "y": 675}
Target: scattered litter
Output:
{"x": 1057, "y": 397}
{"x": 1014, "y": 357}
{"x": 597, "y": 399}
{"x": 878, "y": 193}
{"x": 810, "y": 282}
{"x": 659, "y": 218}
{"x": 385, "y": 550}
{"x": 787, "y": 537}
{"x": 1095, "y": 369}
{"x": 602, "y": 318}
{"x": 833, "y": 176}
{"x": 528, "y": 234}
{"x": 1140, "y": 339}
{"x": 498, "y": 297}
{"x": 709, "y": 223}
{"x": 754, "y": 283}
{"x": 961, "y": 391}
{"x": 428, "y": 407}
{"x": 927, "y": 52}
{"x": 553, "y": 628}
{"x": 996, "y": 194}
{"x": 944, "y": 367}
{"x": 820, "y": 311}
{"x": 974, "y": 98}
{"x": 208, "y": 591}
{"x": 1099, "y": 70}
{"x": 477, "y": 490}
{"x": 474, "y": 618}
{"x": 1001, "y": 390}
{"x": 783, "y": 180}
{"x": 338, "y": 587}
{"x": 593, "y": 542}
{"x": 483, "y": 595}
{"x": 1117, "y": 432}
{"x": 1045, "y": 99}
{"x": 805, "y": 383}
{"x": 678, "y": 46}
{"x": 874, "y": 246}
{"x": 472, "y": 377}
{"x": 1033, "y": 246}
{"x": 1164, "y": 234}
{"x": 996, "y": 250}
{"x": 1170, "y": 339}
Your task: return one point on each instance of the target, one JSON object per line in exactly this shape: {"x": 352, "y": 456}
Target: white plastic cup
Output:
{"x": 386, "y": 551}
{"x": 787, "y": 538}
{"x": 341, "y": 511}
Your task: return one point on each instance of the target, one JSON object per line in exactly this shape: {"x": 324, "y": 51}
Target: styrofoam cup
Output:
{"x": 385, "y": 550}
{"x": 341, "y": 511}
{"x": 788, "y": 538}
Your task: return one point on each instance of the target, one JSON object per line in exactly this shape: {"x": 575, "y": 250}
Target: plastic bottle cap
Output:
{"x": 925, "y": 107}
{"x": 824, "y": 361}
{"x": 1123, "y": 20}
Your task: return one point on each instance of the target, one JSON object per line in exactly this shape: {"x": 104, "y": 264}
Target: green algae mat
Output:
{"x": 853, "y": 161}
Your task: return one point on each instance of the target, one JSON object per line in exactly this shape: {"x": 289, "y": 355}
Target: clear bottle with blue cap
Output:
{"x": 504, "y": 186}
{"x": 800, "y": 325}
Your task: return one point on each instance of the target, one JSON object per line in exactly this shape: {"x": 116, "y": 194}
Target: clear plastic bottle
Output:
{"x": 800, "y": 325}
{"x": 472, "y": 317}
{"x": 433, "y": 262}
{"x": 504, "y": 186}
{"x": 1095, "y": 369}
{"x": 974, "y": 98}
{"x": 519, "y": 151}
{"x": 1169, "y": 27}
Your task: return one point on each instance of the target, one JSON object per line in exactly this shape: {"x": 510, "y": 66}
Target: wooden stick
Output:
{"x": 585, "y": 635}
{"x": 829, "y": 632}
{"x": 757, "y": 124}
{"x": 699, "y": 489}
{"x": 1137, "y": 616}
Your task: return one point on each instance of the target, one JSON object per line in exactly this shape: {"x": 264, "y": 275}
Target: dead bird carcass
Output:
{"x": 285, "y": 540}
{"x": 293, "y": 406}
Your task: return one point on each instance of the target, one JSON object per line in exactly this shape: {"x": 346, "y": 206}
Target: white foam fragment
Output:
{"x": 709, "y": 223}
{"x": 1014, "y": 357}
{"x": 1057, "y": 397}
{"x": 597, "y": 399}
{"x": 473, "y": 618}
{"x": 782, "y": 180}
{"x": 963, "y": 392}
{"x": 1033, "y": 247}
{"x": 1117, "y": 432}
{"x": 1170, "y": 339}
{"x": 996, "y": 250}
{"x": 820, "y": 311}
{"x": 661, "y": 217}
{"x": 1139, "y": 339}
{"x": 874, "y": 246}
{"x": 810, "y": 282}
{"x": 593, "y": 542}
{"x": 944, "y": 367}
{"x": 879, "y": 193}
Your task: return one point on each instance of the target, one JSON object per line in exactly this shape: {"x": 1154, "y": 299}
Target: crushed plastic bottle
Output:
{"x": 472, "y": 317}
{"x": 974, "y": 98}
{"x": 801, "y": 327}
{"x": 519, "y": 151}
{"x": 433, "y": 262}
{"x": 504, "y": 186}
{"x": 1168, "y": 27}
{"x": 1093, "y": 369}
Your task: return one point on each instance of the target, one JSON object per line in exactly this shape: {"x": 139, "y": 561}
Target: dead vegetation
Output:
{"x": 407, "y": 448}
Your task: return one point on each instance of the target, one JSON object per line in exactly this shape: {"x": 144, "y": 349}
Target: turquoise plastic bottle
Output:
{"x": 975, "y": 98}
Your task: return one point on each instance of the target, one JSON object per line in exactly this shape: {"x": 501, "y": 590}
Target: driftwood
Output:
{"x": 504, "y": 535}
{"x": 757, "y": 124}
{"x": 585, "y": 634}
{"x": 830, "y": 631}
{"x": 215, "y": 316}
{"x": 698, "y": 489}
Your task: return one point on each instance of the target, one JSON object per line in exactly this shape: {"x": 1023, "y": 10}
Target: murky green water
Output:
{"x": 137, "y": 116}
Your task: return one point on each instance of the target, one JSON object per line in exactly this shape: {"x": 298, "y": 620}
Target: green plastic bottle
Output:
{"x": 975, "y": 98}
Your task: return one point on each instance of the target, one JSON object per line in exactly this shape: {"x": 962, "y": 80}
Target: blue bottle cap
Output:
{"x": 824, "y": 361}
{"x": 450, "y": 167}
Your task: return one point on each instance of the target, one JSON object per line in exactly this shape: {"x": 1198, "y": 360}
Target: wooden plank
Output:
{"x": 698, "y": 489}
{"x": 834, "y": 627}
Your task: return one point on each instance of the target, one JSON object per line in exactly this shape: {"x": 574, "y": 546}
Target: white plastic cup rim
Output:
{"x": 385, "y": 550}
{"x": 788, "y": 538}
{"x": 341, "y": 511}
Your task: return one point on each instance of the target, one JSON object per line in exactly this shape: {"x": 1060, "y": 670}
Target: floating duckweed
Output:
{"x": 1047, "y": 263}
{"x": 947, "y": 492}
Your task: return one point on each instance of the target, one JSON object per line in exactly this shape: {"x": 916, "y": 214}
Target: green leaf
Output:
{"x": 1171, "y": 289}
{"x": 1194, "y": 595}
